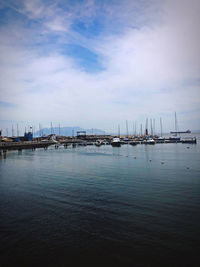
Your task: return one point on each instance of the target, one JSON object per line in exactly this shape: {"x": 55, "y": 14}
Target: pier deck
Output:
{"x": 4, "y": 146}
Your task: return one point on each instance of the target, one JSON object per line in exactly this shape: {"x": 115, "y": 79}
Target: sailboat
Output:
{"x": 175, "y": 138}
{"x": 176, "y": 128}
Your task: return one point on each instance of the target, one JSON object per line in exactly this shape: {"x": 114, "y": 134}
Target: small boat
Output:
{"x": 174, "y": 139}
{"x": 116, "y": 142}
{"x": 133, "y": 143}
{"x": 105, "y": 142}
{"x": 126, "y": 140}
{"x": 160, "y": 139}
{"x": 98, "y": 143}
{"x": 82, "y": 143}
{"x": 150, "y": 141}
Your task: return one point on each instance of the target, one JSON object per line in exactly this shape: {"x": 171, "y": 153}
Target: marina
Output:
{"x": 148, "y": 137}
{"x": 92, "y": 140}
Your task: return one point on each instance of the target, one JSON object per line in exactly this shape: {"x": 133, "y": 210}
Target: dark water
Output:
{"x": 101, "y": 206}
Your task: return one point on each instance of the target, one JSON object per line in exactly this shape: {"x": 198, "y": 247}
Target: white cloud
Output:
{"x": 146, "y": 72}
{"x": 34, "y": 9}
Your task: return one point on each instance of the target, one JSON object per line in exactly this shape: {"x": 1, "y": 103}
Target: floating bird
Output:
{"x": 187, "y": 167}
{"x": 150, "y": 160}
{"x": 162, "y": 162}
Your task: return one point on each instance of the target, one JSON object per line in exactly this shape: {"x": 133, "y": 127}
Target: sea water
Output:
{"x": 101, "y": 206}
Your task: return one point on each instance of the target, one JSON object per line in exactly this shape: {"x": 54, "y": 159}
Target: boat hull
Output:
{"x": 181, "y": 132}
{"x": 116, "y": 144}
{"x": 133, "y": 143}
{"x": 189, "y": 141}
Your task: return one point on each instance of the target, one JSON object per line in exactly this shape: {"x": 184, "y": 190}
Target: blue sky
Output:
{"x": 96, "y": 64}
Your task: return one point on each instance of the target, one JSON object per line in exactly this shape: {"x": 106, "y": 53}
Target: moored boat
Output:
{"x": 98, "y": 143}
{"x": 133, "y": 143}
{"x": 160, "y": 139}
{"x": 150, "y": 141}
{"x": 116, "y": 142}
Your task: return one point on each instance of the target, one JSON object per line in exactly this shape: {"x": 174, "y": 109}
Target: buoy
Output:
{"x": 134, "y": 157}
{"x": 150, "y": 160}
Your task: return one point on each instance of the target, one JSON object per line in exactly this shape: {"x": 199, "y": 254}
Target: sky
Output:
{"x": 98, "y": 63}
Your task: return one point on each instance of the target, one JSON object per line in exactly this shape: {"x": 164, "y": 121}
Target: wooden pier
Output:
{"x": 4, "y": 146}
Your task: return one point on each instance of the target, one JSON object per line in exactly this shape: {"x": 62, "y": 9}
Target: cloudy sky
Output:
{"x": 98, "y": 63}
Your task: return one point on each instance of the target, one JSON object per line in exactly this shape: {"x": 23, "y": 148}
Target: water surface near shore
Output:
{"x": 101, "y": 206}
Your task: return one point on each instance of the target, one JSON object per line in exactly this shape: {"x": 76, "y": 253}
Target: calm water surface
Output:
{"x": 97, "y": 206}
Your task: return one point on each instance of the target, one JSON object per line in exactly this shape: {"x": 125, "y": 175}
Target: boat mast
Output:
{"x": 146, "y": 130}
{"x": 12, "y": 131}
{"x": 135, "y": 127}
{"x": 118, "y": 130}
{"x": 151, "y": 127}
{"x": 17, "y": 130}
{"x": 161, "y": 127}
{"x": 126, "y": 128}
{"x": 52, "y": 130}
{"x": 175, "y": 124}
{"x": 39, "y": 130}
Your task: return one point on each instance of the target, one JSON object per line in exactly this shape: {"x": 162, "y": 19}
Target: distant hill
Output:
{"x": 67, "y": 131}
